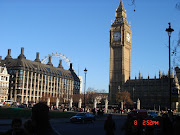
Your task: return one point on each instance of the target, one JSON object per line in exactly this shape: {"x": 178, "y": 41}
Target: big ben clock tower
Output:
{"x": 120, "y": 53}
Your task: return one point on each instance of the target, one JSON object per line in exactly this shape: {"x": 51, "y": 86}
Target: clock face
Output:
{"x": 128, "y": 37}
{"x": 116, "y": 36}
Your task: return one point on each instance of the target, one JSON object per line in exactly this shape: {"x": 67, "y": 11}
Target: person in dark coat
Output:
{"x": 29, "y": 127}
{"x": 176, "y": 126}
{"x": 16, "y": 128}
{"x": 109, "y": 125}
{"x": 166, "y": 124}
{"x": 40, "y": 120}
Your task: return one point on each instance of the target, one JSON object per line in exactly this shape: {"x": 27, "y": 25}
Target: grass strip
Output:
{"x": 10, "y": 113}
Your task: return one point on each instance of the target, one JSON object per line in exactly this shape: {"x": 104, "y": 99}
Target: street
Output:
{"x": 64, "y": 127}
{"x": 96, "y": 128}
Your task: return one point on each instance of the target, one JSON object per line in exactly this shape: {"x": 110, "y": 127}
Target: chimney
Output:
{"x": 140, "y": 75}
{"x": 9, "y": 54}
{"x": 0, "y": 57}
{"x": 71, "y": 66}
{"x": 22, "y": 54}
{"x": 50, "y": 59}
{"x": 49, "y": 62}
{"x": 60, "y": 64}
{"x": 22, "y": 50}
{"x": 37, "y": 58}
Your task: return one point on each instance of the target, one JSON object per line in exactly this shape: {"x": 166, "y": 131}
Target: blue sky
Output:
{"x": 80, "y": 30}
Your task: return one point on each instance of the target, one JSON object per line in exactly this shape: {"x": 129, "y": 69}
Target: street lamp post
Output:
{"x": 169, "y": 31}
{"x": 85, "y": 71}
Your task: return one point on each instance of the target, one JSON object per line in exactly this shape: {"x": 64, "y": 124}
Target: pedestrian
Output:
{"x": 40, "y": 119}
{"x": 166, "y": 125}
{"x": 176, "y": 126}
{"x": 29, "y": 127}
{"x": 94, "y": 112}
{"x": 109, "y": 125}
{"x": 16, "y": 128}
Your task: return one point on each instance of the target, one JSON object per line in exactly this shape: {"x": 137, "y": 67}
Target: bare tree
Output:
{"x": 76, "y": 97}
{"x": 124, "y": 97}
{"x": 176, "y": 52}
{"x": 45, "y": 97}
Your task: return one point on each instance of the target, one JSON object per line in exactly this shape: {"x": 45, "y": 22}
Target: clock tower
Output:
{"x": 120, "y": 53}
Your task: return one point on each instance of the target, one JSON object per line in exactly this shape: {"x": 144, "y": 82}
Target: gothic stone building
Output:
{"x": 31, "y": 80}
{"x": 151, "y": 92}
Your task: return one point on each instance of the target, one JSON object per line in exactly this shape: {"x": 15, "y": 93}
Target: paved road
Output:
{"x": 64, "y": 127}
{"x": 96, "y": 128}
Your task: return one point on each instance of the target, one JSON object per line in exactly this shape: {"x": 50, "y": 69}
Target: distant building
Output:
{"x": 4, "y": 84}
{"x": 154, "y": 92}
{"x": 100, "y": 96}
{"x": 31, "y": 80}
{"x": 96, "y": 95}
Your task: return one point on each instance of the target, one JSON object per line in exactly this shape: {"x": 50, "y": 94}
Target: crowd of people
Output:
{"x": 38, "y": 124}
{"x": 165, "y": 125}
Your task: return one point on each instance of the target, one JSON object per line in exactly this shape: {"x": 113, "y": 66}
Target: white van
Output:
{"x": 8, "y": 102}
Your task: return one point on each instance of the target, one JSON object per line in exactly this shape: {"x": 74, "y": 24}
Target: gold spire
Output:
{"x": 120, "y": 7}
{"x": 120, "y": 11}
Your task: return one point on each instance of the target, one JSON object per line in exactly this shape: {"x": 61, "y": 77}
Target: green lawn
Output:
{"x": 10, "y": 113}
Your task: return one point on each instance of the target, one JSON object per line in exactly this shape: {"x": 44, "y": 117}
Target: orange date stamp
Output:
{"x": 147, "y": 122}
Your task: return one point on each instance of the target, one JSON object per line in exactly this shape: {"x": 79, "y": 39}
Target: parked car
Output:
{"x": 132, "y": 114}
{"x": 138, "y": 113}
{"x": 8, "y": 102}
{"x": 22, "y": 106}
{"x": 152, "y": 114}
{"x": 83, "y": 117}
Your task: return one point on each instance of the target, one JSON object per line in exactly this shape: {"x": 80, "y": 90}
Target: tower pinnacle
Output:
{"x": 120, "y": 14}
{"x": 120, "y": 7}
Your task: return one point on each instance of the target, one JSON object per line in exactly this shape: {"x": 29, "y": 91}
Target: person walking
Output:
{"x": 16, "y": 128}
{"x": 109, "y": 125}
{"x": 40, "y": 120}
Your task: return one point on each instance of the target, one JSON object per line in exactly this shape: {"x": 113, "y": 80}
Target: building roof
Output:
{"x": 36, "y": 66}
{"x": 147, "y": 81}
